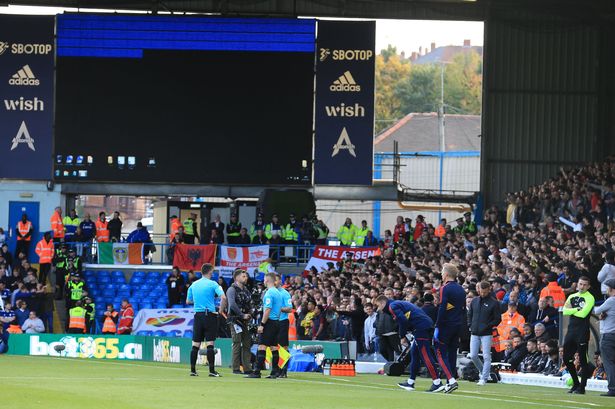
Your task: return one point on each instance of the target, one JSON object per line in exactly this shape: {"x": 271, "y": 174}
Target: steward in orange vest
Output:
{"x": 102, "y": 231}
{"x": 24, "y": 236}
{"x": 45, "y": 251}
{"x": 554, "y": 290}
{"x": 510, "y": 319}
{"x": 57, "y": 227}
{"x": 175, "y": 225}
{"x": 441, "y": 229}
{"x": 76, "y": 321}
{"x": 110, "y": 322}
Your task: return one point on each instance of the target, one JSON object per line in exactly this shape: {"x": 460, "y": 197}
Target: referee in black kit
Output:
{"x": 202, "y": 293}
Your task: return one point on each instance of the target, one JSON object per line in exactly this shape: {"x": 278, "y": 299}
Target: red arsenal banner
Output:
{"x": 332, "y": 254}
{"x": 192, "y": 257}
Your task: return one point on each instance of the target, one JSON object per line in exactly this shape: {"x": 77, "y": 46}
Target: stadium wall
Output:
{"x": 548, "y": 99}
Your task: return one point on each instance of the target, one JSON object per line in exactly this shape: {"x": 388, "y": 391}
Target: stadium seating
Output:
{"x": 143, "y": 290}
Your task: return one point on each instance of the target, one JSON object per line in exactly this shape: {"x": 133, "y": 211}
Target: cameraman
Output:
{"x": 239, "y": 314}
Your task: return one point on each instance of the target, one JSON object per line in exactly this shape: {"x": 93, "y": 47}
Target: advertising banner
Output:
{"x": 135, "y": 347}
{"x": 165, "y": 322}
{"x": 192, "y": 257}
{"x": 344, "y": 117}
{"x": 77, "y": 346}
{"x": 332, "y": 254}
{"x": 246, "y": 258}
{"x": 26, "y": 94}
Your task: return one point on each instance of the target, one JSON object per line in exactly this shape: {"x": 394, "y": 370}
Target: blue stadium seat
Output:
{"x": 145, "y": 306}
{"x": 136, "y": 280}
{"x": 145, "y": 287}
{"x": 109, "y": 286}
{"x": 214, "y": 276}
{"x": 123, "y": 293}
{"x": 177, "y": 306}
{"x": 118, "y": 280}
{"x": 103, "y": 279}
{"x": 123, "y": 287}
{"x": 161, "y": 305}
{"x": 108, "y": 293}
{"x": 103, "y": 273}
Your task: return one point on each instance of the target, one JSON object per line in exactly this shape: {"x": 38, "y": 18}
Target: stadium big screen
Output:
{"x": 184, "y": 99}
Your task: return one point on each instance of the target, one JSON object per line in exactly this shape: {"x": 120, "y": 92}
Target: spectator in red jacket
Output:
{"x": 399, "y": 233}
{"x": 419, "y": 227}
{"x": 127, "y": 316}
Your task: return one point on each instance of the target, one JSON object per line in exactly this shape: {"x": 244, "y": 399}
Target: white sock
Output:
{"x": 436, "y": 381}
{"x": 452, "y": 380}
{"x": 410, "y": 381}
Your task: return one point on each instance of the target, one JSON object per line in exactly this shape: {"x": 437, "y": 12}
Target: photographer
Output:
{"x": 239, "y": 314}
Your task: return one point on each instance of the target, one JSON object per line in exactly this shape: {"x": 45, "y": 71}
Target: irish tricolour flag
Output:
{"x": 120, "y": 253}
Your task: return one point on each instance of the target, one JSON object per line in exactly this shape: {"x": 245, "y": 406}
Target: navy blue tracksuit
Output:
{"x": 451, "y": 317}
{"x": 411, "y": 318}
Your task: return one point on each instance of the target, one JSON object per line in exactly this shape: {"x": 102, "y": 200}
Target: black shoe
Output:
{"x": 214, "y": 374}
{"x": 436, "y": 388}
{"x": 283, "y": 375}
{"x": 238, "y": 372}
{"x": 608, "y": 394}
{"x": 273, "y": 375}
{"x": 574, "y": 388}
{"x": 193, "y": 373}
{"x": 451, "y": 387}
{"x": 253, "y": 375}
{"x": 579, "y": 391}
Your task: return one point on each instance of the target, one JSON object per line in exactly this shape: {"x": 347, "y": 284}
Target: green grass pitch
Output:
{"x": 50, "y": 383}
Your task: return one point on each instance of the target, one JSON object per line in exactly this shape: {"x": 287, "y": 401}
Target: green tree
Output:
{"x": 391, "y": 71}
{"x": 463, "y": 80}
{"x": 420, "y": 93}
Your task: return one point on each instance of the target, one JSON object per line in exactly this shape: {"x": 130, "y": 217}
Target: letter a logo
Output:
{"x": 343, "y": 143}
{"x": 23, "y": 136}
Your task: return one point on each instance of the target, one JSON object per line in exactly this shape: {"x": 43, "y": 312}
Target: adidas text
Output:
{"x": 345, "y": 82}
{"x": 24, "y": 76}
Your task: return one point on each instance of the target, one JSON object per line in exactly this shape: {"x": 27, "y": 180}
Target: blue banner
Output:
{"x": 344, "y": 118}
{"x": 26, "y": 96}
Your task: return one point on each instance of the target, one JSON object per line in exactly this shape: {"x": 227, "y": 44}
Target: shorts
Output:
{"x": 205, "y": 327}
{"x": 269, "y": 337}
{"x": 283, "y": 333}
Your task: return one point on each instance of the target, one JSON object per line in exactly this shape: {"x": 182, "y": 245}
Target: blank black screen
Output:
{"x": 202, "y": 116}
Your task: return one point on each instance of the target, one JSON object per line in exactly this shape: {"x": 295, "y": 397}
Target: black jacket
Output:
{"x": 385, "y": 324}
{"x": 483, "y": 315}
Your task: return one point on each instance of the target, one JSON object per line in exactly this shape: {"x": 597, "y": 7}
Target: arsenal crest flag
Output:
{"x": 191, "y": 257}
{"x": 247, "y": 258}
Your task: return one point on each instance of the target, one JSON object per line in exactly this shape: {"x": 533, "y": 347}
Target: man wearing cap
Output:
{"x": 191, "y": 229}
{"x": 606, "y": 312}
{"x": 459, "y": 227}
{"x": 469, "y": 226}
{"x": 274, "y": 228}
{"x": 233, "y": 230}
{"x": 259, "y": 224}
{"x": 291, "y": 231}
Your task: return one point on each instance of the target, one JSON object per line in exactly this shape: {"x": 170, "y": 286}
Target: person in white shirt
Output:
{"x": 607, "y": 272}
{"x": 369, "y": 329}
{"x": 33, "y": 325}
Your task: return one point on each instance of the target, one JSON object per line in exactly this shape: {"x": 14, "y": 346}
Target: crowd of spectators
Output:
{"x": 532, "y": 253}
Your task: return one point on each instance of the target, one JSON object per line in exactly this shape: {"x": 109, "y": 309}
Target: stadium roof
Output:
{"x": 419, "y": 132}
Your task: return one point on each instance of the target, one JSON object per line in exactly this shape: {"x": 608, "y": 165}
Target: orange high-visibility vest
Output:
{"x": 45, "y": 251}
{"x": 292, "y": 328}
{"x": 554, "y": 290}
{"x": 77, "y": 318}
{"x": 440, "y": 231}
{"x": 508, "y": 322}
{"x": 102, "y": 232}
{"x": 109, "y": 325}
{"x": 24, "y": 228}
{"x": 175, "y": 225}
{"x": 14, "y": 329}
{"x": 57, "y": 226}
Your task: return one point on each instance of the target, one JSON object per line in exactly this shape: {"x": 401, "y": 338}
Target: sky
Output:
{"x": 406, "y": 35}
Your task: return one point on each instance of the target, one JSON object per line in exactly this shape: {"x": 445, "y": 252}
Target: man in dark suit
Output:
{"x": 218, "y": 226}
{"x": 545, "y": 314}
